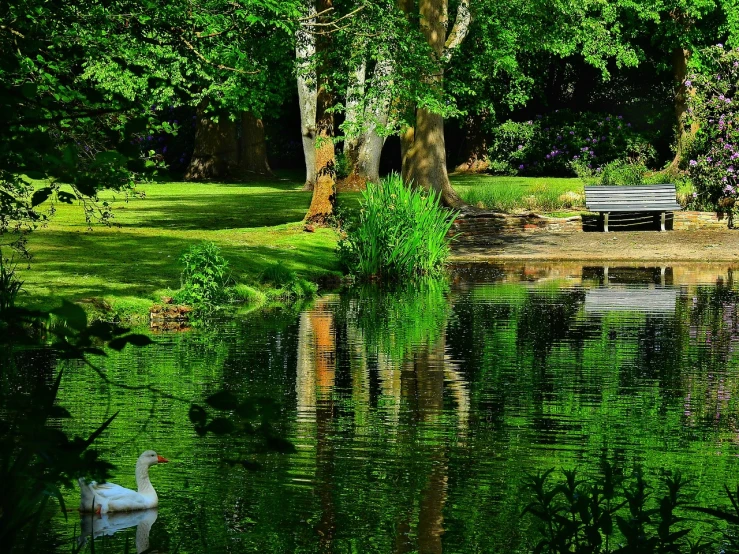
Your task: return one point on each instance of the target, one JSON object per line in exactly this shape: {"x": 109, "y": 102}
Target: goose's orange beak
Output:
{"x": 161, "y": 460}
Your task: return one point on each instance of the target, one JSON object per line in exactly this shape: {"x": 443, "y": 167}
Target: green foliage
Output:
{"x": 617, "y": 173}
{"x": 714, "y": 152}
{"x": 10, "y": 285}
{"x": 204, "y": 277}
{"x": 286, "y": 284}
{"x": 548, "y": 145}
{"x": 402, "y": 232}
{"x": 609, "y": 514}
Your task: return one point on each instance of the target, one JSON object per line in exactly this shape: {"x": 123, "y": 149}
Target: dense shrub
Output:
{"x": 205, "y": 276}
{"x": 286, "y": 284}
{"x": 401, "y": 232}
{"x": 714, "y": 158}
{"x": 548, "y": 145}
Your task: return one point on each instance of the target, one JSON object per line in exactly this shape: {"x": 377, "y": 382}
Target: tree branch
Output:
{"x": 12, "y": 31}
{"x": 459, "y": 31}
{"x": 215, "y": 64}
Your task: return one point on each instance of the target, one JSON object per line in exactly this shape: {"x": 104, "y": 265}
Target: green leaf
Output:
{"x": 72, "y": 314}
{"x": 40, "y": 196}
{"x": 29, "y": 90}
{"x": 197, "y": 415}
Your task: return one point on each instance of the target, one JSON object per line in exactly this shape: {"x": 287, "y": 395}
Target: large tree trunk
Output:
{"x": 684, "y": 134}
{"x": 354, "y": 115}
{"x": 305, "y": 50}
{"x": 216, "y": 154}
{"x": 253, "y": 159}
{"x": 324, "y": 192}
{"x": 474, "y": 150}
{"x": 423, "y": 148}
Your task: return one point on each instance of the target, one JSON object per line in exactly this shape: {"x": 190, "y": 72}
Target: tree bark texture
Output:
{"x": 424, "y": 157}
{"x": 305, "y": 51}
{"x": 474, "y": 151}
{"x": 253, "y": 149}
{"x": 364, "y": 149}
{"x": 324, "y": 191}
{"x": 216, "y": 154}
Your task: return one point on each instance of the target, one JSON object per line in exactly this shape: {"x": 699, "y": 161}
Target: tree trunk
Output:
{"x": 354, "y": 115}
{"x": 423, "y": 147}
{"x": 305, "y": 50}
{"x": 474, "y": 151}
{"x": 216, "y": 154}
{"x": 253, "y": 159}
{"x": 684, "y": 134}
{"x": 324, "y": 192}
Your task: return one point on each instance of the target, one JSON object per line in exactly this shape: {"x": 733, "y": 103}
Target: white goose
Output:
{"x": 108, "y": 497}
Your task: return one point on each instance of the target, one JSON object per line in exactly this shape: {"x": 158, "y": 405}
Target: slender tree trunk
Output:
{"x": 684, "y": 134}
{"x": 354, "y": 115}
{"x": 305, "y": 50}
{"x": 216, "y": 154}
{"x": 324, "y": 192}
{"x": 364, "y": 150}
{"x": 253, "y": 159}
{"x": 424, "y": 155}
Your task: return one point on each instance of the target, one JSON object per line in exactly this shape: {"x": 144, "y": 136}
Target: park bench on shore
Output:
{"x": 658, "y": 199}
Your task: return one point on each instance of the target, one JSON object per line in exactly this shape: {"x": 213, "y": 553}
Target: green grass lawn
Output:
{"x": 255, "y": 225}
{"x": 516, "y": 194}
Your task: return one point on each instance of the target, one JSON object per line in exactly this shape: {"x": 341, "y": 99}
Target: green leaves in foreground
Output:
{"x": 402, "y": 232}
{"x": 612, "y": 514}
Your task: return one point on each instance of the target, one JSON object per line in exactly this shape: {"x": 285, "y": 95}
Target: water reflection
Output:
{"x": 416, "y": 412}
{"x": 94, "y": 526}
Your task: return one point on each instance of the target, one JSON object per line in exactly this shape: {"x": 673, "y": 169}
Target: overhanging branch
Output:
{"x": 459, "y": 31}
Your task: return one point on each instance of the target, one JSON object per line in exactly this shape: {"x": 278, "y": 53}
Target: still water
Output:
{"x": 417, "y": 413}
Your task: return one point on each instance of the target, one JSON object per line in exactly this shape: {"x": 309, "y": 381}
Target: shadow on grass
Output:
{"x": 81, "y": 265}
{"x": 212, "y": 211}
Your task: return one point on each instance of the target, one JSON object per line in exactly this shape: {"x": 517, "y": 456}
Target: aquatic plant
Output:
{"x": 402, "y": 232}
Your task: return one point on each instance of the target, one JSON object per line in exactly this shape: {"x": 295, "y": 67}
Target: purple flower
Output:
{"x": 520, "y": 167}
{"x": 164, "y": 150}
{"x": 688, "y": 83}
{"x": 695, "y": 195}
{"x": 628, "y": 124}
{"x": 520, "y": 146}
{"x": 693, "y": 163}
{"x": 720, "y": 45}
{"x": 572, "y": 132}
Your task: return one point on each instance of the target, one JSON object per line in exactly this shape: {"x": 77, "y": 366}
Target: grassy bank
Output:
{"x": 545, "y": 195}
{"x": 135, "y": 261}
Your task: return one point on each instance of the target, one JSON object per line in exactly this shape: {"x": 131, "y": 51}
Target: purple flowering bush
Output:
{"x": 548, "y": 145}
{"x": 713, "y": 161}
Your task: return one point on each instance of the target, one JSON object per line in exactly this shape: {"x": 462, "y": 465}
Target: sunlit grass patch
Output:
{"x": 518, "y": 194}
{"x": 254, "y": 225}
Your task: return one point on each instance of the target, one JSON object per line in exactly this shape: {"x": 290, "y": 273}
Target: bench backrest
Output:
{"x": 631, "y": 198}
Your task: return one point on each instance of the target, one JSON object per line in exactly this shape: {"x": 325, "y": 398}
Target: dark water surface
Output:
{"x": 417, "y": 413}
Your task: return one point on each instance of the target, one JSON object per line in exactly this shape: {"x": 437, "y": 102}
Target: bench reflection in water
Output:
{"x": 630, "y": 289}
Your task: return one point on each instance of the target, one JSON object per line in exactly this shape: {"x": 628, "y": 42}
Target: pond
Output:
{"x": 416, "y": 414}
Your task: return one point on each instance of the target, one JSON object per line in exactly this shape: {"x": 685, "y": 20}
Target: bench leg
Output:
{"x": 662, "y": 222}
{"x": 605, "y": 222}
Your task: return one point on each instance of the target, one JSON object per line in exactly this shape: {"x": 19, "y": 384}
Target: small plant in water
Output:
{"x": 204, "y": 277}
{"x": 402, "y": 232}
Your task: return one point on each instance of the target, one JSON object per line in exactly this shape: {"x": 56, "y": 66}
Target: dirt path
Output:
{"x": 678, "y": 246}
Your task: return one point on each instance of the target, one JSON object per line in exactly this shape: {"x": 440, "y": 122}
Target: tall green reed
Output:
{"x": 401, "y": 232}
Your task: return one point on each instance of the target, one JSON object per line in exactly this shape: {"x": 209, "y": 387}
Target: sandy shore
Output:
{"x": 627, "y": 246}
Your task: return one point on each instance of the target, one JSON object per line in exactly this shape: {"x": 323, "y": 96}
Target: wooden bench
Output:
{"x": 659, "y": 199}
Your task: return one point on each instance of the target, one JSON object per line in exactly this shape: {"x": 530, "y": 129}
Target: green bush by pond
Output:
{"x": 401, "y": 232}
